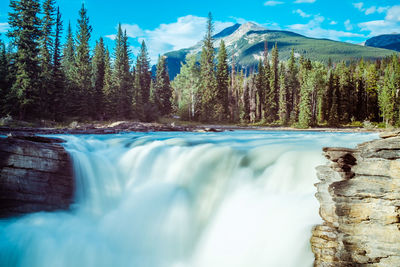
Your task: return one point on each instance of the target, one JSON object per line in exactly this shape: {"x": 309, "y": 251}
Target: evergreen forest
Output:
{"x": 44, "y": 76}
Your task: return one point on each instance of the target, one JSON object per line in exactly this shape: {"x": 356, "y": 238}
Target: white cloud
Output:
{"x": 333, "y": 22}
{"x": 359, "y": 6}
{"x": 301, "y": 13}
{"x": 390, "y": 24}
{"x": 393, "y": 14}
{"x": 4, "y": 27}
{"x": 304, "y": 1}
{"x": 313, "y": 29}
{"x": 273, "y": 3}
{"x": 378, "y": 27}
{"x": 132, "y": 30}
{"x": 370, "y": 10}
{"x": 183, "y": 33}
{"x": 348, "y": 25}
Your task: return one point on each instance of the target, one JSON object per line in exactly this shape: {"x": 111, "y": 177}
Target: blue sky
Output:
{"x": 170, "y": 25}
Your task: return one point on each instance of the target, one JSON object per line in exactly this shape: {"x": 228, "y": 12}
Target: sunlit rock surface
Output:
{"x": 35, "y": 175}
{"x": 359, "y": 195}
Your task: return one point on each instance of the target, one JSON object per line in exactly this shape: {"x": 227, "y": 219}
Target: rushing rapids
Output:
{"x": 181, "y": 199}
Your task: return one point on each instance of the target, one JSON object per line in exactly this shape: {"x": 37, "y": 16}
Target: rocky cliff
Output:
{"x": 35, "y": 175}
{"x": 359, "y": 195}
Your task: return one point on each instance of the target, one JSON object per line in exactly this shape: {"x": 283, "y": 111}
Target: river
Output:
{"x": 178, "y": 199}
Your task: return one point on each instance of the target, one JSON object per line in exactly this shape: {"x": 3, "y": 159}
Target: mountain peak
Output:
{"x": 250, "y": 26}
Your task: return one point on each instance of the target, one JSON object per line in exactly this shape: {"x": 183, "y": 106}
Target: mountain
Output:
{"x": 246, "y": 44}
{"x": 387, "y": 41}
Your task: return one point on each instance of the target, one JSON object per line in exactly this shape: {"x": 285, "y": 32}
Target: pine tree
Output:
{"x": 3, "y": 78}
{"x": 283, "y": 97}
{"x": 162, "y": 88}
{"x": 46, "y": 50}
{"x": 58, "y": 78}
{"x": 268, "y": 103}
{"x": 328, "y": 95}
{"x": 109, "y": 100}
{"x": 245, "y": 110}
{"x": 71, "y": 96}
{"x": 142, "y": 84}
{"x": 371, "y": 85}
{"x": 208, "y": 79}
{"x": 25, "y": 33}
{"x": 222, "y": 76}
{"x": 98, "y": 69}
{"x": 122, "y": 76}
{"x": 293, "y": 86}
{"x": 334, "y": 119}
{"x": 273, "y": 96}
{"x": 83, "y": 67}
{"x": 305, "y": 109}
{"x": 386, "y": 97}
{"x": 260, "y": 85}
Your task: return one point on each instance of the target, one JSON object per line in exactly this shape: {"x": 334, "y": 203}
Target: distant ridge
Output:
{"x": 246, "y": 44}
{"x": 387, "y": 41}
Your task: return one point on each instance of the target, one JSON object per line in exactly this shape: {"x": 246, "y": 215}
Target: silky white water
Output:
{"x": 181, "y": 199}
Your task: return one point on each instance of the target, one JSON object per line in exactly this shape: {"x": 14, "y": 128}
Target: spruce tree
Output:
{"x": 46, "y": 50}
{"x": 142, "y": 84}
{"x": 83, "y": 67}
{"x": 273, "y": 96}
{"x": 109, "y": 100}
{"x": 269, "y": 105}
{"x": 25, "y": 33}
{"x": 283, "y": 97}
{"x": 58, "y": 78}
{"x": 305, "y": 109}
{"x": 386, "y": 97}
{"x": 3, "y": 78}
{"x": 162, "y": 88}
{"x": 293, "y": 86}
{"x": 208, "y": 79}
{"x": 222, "y": 76}
{"x": 71, "y": 96}
{"x": 260, "y": 85}
{"x": 98, "y": 69}
{"x": 371, "y": 85}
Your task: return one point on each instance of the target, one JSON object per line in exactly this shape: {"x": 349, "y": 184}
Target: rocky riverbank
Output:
{"x": 35, "y": 175}
{"x": 131, "y": 126}
{"x": 359, "y": 195}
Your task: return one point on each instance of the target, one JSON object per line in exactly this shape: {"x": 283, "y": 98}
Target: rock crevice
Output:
{"x": 359, "y": 195}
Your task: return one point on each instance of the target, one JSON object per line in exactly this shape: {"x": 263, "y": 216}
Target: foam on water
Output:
{"x": 180, "y": 200}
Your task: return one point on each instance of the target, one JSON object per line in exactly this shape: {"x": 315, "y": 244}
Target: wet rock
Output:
{"x": 359, "y": 195}
{"x": 35, "y": 175}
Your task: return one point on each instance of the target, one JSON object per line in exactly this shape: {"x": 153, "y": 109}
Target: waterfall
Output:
{"x": 243, "y": 198}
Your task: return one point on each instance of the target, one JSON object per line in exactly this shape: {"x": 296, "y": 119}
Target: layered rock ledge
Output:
{"x": 35, "y": 175}
{"x": 359, "y": 195}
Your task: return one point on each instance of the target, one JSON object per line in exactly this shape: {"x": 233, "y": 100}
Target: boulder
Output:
{"x": 35, "y": 175}
{"x": 359, "y": 195}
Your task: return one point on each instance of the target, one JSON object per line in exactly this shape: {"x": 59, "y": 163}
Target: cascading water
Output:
{"x": 181, "y": 200}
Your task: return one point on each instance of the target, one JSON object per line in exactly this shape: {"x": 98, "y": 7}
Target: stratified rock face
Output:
{"x": 35, "y": 175}
{"x": 359, "y": 195}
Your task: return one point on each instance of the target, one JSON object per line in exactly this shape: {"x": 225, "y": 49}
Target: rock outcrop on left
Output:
{"x": 35, "y": 175}
{"x": 359, "y": 195}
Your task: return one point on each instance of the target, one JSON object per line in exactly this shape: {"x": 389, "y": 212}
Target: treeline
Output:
{"x": 41, "y": 78}
{"x": 297, "y": 93}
